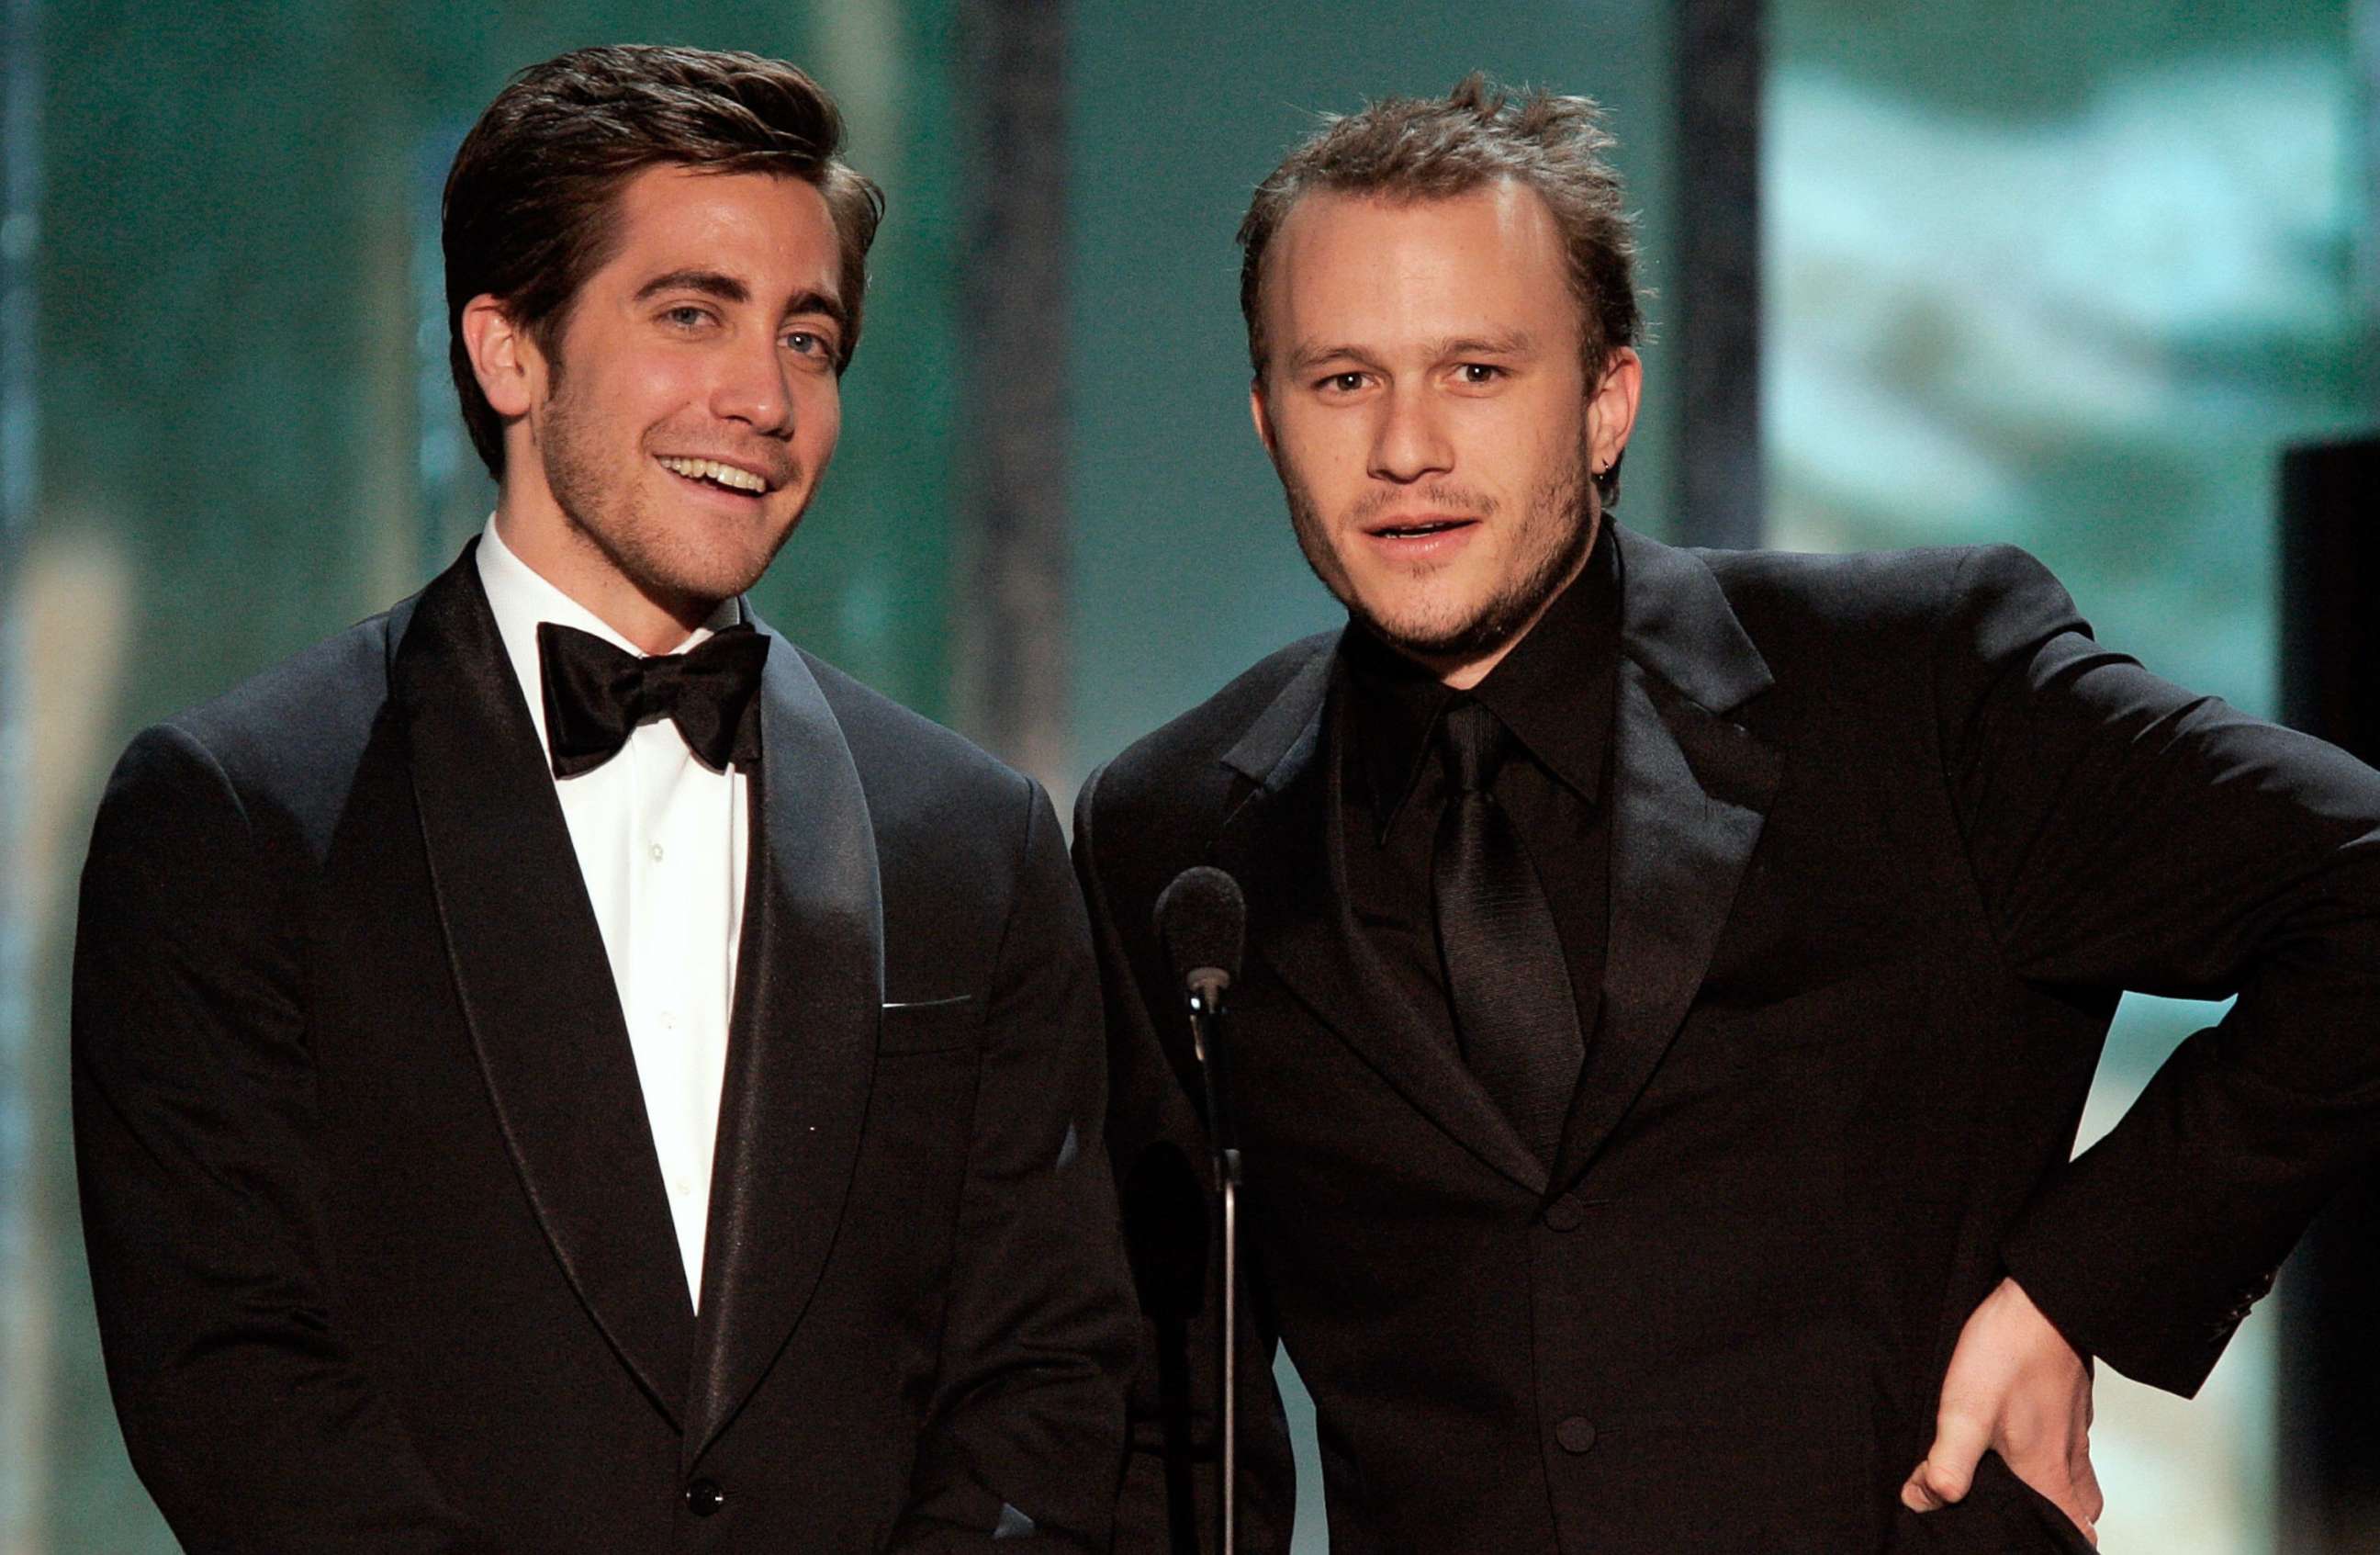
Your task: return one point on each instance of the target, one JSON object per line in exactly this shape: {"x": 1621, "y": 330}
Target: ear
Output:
{"x": 1611, "y": 408}
{"x": 1262, "y": 417}
{"x": 504, "y": 358}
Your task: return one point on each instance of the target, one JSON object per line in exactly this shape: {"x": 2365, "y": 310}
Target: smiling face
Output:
{"x": 1427, "y": 410}
{"x": 656, "y": 460}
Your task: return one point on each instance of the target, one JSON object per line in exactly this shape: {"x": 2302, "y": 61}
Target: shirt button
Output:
{"x": 1563, "y": 1214}
{"x": 704, "y": 1496}
{"x": 657, "y": 853}
{"x": 1576, "y": 1434}
{"x": 668, "y": 1020}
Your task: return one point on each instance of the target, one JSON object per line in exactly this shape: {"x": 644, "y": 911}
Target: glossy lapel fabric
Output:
{"x": 1284, "y": 844}
{"x": 534, "y": 981}
{"x": 801, "y": 1049}
{"x": 1690, "y": 792}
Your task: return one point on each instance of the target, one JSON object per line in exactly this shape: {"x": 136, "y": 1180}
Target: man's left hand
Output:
{"x": 2015, "y": 1387}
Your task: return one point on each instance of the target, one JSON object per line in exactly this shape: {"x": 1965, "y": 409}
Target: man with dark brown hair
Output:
{"x": 550, "y": 1073}
{"x": 1675, "y": 977}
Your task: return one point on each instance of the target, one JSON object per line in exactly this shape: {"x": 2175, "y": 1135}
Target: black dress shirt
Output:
{"x": 1556, "y": 691}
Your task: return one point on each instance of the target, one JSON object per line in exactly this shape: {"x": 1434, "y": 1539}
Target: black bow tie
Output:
{"x": 596, "y": 694}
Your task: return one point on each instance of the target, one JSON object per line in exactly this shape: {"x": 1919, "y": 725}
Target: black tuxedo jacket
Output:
{"x": 1890, "y": 835}
{"x": 378, "y": 1236}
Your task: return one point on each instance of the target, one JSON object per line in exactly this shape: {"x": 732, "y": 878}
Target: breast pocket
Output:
{"x": 929, "y": 1025}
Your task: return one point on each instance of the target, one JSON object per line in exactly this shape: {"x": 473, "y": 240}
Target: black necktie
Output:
{"x": 596, "y": 694}
{"x": 1505, "y": 972}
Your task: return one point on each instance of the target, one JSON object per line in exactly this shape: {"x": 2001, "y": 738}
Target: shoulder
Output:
{"x": 919, "y": 777}
{"x": 1190, "y": 748}
{"x": 1868, "y": 600}
{"x": 254, "y": 780}
{"x": 287, "y": 738}
{"x": 1868, "y": 585}
{"x": 895, "y": 746}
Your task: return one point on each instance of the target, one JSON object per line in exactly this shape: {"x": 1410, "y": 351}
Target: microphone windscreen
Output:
{"x": 1200, "y": 919}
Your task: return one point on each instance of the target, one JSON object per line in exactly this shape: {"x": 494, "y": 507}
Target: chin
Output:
{"x": 1433, "y": 634}
{"x": 1423, "y": 619}
{"x": 708, "y": 578}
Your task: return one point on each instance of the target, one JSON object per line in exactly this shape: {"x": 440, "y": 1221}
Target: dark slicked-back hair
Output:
{"x": 532, "y": 198}
{"x": 1433, "y": 148}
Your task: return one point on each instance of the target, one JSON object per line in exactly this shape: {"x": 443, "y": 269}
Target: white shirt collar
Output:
{"x": 521, "y": 597}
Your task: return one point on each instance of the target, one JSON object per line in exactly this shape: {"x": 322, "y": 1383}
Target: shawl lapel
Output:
{"x": 801, "y": 1049}
{"x": 533, "y": 979}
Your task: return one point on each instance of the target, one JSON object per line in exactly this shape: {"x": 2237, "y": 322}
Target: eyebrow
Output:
{"x": 1306, "y": 359}
{"x": 1514, "y": 343}
{"x": 727, "y": 288}
{"x": 709, "y": 283}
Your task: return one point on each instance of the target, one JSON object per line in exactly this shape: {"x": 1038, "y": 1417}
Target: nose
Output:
{"x": 752, "y": 388}
{"x": 1409, "y": 443}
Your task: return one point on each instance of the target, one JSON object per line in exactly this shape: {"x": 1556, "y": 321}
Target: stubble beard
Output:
{"x": 667, "y": 566}
{"x": 1559, "y": 528}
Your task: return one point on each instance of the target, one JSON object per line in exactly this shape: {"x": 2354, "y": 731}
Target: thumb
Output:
{"x": 1950, "y": 1468}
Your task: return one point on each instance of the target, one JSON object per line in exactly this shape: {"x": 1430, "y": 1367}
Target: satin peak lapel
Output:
{"x": 1285, "y": 846}
{"x": 534, "y": 981}
{"x": 801, "y": 1051}
{"x": 1691, "y": 791}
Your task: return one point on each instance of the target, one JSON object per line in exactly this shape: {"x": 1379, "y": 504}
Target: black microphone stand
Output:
{"x": 1202, "y": 918}
{"x": 1207, "y": 985}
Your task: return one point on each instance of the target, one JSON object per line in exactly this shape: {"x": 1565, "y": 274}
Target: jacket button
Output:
{"x": 704, "y": 1496}
{"x": 1563, "y": 1214}
{"x": 1576, "y": 1434}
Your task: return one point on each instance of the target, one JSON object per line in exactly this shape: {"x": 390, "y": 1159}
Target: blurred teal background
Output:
{"x": 2064, "y": 275}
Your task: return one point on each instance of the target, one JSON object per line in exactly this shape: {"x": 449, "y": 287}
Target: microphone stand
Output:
{"x": 1206, "y": 987}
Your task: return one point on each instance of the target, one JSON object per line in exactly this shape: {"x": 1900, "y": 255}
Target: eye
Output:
{"x": 807, "y": 342}
{"x": 1476, "y": 374}
{"x": 1341, "y": 383}
{"x": 686, "y": 316}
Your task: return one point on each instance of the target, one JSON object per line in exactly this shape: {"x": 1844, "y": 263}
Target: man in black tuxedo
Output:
{"x": 556, "y": 1067}
{"x": 1673, "y": 977}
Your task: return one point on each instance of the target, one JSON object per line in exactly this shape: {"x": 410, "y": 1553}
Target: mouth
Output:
{"x": 1413, "y": 527}
{"x": 718, "y": 475}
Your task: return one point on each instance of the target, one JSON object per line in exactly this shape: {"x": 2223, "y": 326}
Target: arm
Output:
{"x": 1025, "y": 1431}
{"x": 245, "y": 1413}
{"x": 2127, "y": 835}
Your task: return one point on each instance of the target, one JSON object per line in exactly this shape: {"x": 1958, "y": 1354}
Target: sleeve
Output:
{"x": 1025, "y": 1435}
{"x": 245, "y": 1414}
{"x": 2125, "y": 833}
{"x": 1158, "y": 1146}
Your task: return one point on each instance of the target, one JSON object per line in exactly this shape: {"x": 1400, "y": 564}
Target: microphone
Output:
{"x": 1202, "y": 922}
{"x": 1201, "y": 919}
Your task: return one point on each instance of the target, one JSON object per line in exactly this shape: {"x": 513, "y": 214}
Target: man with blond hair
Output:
{"x": 1673, "y": 977}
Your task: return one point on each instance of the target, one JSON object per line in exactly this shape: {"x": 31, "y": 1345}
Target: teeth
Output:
{"x": 712, "y": 470}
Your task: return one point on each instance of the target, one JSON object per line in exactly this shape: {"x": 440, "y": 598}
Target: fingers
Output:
{"x": 2086, "y": 1486}
{"x": 2083, "y": 1501}
{"x": 2015, "y": 1386}
{"x": 1948, "y": 1470}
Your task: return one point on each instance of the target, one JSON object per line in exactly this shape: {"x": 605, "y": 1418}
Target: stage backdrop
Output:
{"x": 2063, "y": 276}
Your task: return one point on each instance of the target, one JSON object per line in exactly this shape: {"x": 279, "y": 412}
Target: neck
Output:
{"x": 1460, "y": 672}
{"x": 566, "y": 555}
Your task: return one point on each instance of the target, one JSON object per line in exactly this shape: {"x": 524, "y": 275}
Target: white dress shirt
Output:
{"x": 661, "y": 842}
